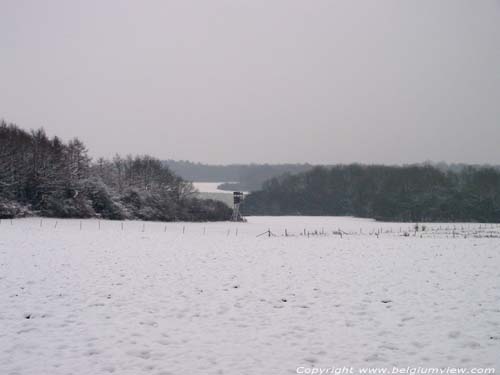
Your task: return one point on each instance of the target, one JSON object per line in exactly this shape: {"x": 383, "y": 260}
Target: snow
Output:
{"x": 88, "y": 297}
{"x": 210, "y": 187}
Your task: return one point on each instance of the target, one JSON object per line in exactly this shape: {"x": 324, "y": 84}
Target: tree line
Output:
{"x": 243, "y": 177}
{"x": 48, "y": 177}
{"x": 391, "y": 193}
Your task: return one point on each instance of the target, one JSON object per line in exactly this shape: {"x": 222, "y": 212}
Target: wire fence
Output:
{"x": 388, "y": 230}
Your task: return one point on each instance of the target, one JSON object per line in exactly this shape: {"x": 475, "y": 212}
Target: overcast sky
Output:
{"x": 259, "y": 80}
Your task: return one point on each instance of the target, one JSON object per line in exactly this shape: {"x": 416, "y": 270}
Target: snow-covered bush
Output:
{"x": 58, "y": 179}
{"x": 10, "y": 209}
{"x": 103, "y": 202}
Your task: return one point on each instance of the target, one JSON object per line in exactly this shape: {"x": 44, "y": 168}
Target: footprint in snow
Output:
{"x": 310, "y": 360}
{"x": 454, "y": 334}
{"x": 374, "y": 357}
{"x": 407, "y": 318}
{"x": 302, "y": 306}
{"x": 471, "y": 345}
{"x": 92, "y": 352}
{"x": 144, "y": 354}
{"x": 150, "y": 323}
{"x": 418, "y": 345}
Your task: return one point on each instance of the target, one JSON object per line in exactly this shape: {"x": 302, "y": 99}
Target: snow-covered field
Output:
{"x": 96, "y": 298}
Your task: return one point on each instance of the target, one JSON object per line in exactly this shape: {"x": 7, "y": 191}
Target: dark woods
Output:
{"x": 409, "y": 193}
{"x": 44, "y": 176}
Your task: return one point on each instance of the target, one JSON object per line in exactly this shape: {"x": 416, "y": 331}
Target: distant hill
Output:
{"x": 251, "y": 177}
{"x": 248, "y": 177}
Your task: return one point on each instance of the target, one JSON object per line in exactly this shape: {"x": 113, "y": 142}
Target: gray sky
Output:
{"x": 258, "y": 81}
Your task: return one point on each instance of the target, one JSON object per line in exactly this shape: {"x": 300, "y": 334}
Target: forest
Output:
{"x": 46, "y": 177}
{"x": 390, "y": 193}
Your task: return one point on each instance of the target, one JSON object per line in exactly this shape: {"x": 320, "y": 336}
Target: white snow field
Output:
{"x": 216, "y": 299}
